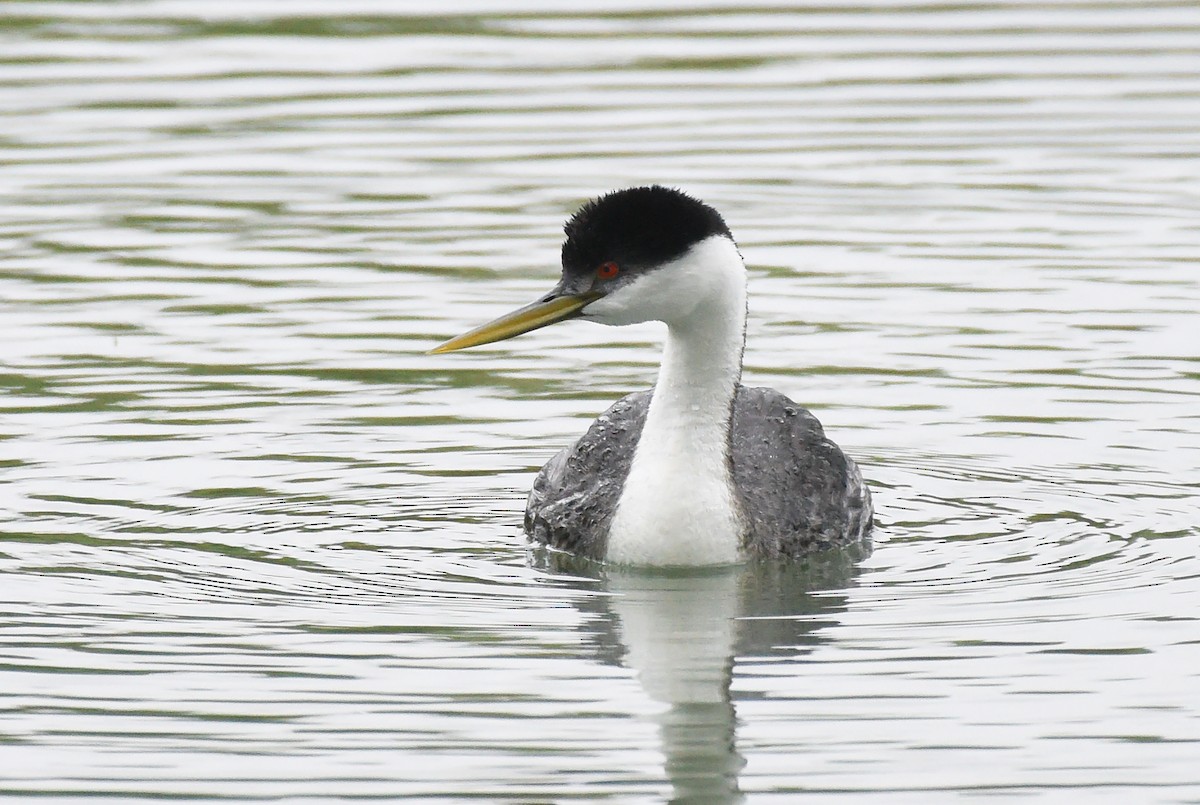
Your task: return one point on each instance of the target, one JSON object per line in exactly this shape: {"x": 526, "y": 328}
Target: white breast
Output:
{"x": 676, "y": 509}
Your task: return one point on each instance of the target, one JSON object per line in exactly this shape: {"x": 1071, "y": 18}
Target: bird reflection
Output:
{"x": 683, "y": 632}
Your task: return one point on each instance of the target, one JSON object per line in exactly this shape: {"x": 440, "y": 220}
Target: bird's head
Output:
{"x": 640, "y": 254}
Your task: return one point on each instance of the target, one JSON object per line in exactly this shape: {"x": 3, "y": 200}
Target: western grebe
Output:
{"x": 700, "y": 470}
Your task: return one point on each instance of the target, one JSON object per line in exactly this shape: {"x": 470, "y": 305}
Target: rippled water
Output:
{"x": 256, "y": 545}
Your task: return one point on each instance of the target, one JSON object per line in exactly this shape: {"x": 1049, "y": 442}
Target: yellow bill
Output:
{"x": 530, "y": 317}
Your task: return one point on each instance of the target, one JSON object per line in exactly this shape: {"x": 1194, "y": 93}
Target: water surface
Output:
{"x": 255, "y": 544}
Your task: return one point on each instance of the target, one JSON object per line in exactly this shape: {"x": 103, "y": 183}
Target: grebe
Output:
{"x": 700, "y": 470}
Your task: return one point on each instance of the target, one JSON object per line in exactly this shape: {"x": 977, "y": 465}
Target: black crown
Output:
{"x": 637, "y": 228}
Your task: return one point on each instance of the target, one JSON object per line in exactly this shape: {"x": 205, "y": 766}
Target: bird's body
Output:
{"x": 701, "y": 470}
{"x": 796, "y": 490}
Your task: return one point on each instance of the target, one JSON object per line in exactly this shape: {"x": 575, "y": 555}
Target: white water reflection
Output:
{"x": 683, "y": 635}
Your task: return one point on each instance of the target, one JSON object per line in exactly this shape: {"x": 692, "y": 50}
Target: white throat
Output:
{"x": 678, "y": 506}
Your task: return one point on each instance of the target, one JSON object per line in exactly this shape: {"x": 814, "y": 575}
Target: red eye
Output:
{"x": 607, "y": 271}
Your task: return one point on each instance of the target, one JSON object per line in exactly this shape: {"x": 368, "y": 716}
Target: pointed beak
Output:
{"x": 552, "y": 308}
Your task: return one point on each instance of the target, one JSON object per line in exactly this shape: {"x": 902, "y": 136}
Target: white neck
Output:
{"x": 678, "y": 506}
